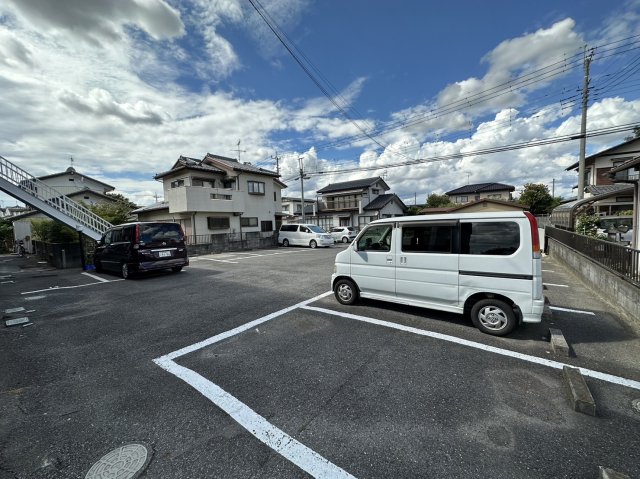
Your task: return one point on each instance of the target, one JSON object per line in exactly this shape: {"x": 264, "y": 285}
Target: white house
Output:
{"x": 356, "y": 203}
{"x": 218, "y": 195}
{"x": 481, "y": 191}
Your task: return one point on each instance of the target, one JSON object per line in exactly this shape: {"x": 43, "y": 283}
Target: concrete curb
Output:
{"x": 559, "y": 345}
{"x": 579, "y": 395}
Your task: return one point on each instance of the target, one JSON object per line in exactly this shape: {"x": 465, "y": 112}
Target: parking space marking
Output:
{"x": 630, "y": 383}
{"x": 273, "y": 437}
{"x": 557, "y": 285}
{"x": 56, "y": 288}
{"x": 579, "y": 311}
{"x": 547, "y": 271}
{"x": 96, "y": 277}
{"x": 217, "y": 260}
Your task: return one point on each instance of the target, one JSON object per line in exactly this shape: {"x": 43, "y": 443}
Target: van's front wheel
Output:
{"x": 124, "y": 271}
{"x": 493, "y": 316}
{"x": 346, "y": 291}
{"x": 313, "y": 244}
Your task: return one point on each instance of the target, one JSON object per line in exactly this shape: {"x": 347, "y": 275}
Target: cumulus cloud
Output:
{"x": 98, "y": 21}
{"x": 13, "y": 53}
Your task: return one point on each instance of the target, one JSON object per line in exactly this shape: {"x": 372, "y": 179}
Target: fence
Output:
{"x": 620, "y": 259}
{"x": 215, "y": 243}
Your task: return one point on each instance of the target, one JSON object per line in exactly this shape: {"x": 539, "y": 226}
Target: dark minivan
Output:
{"x": 137, "y": 247}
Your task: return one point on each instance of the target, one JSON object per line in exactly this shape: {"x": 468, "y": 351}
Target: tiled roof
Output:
{"x": 382, "y": 200}
{"x": 72, "y": 170}
{"x": 237, "y": 166}
{"x": 351, "y": 185}
{"x": 163, "y": 205}
{"x": 480, "y": 188}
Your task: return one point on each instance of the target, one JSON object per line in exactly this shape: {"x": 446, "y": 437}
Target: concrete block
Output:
{"x": 606, "y": 473}
{"x": 16, "y": 322}
{"x": 579, "y": 395}
{"x": 559, "y": 345}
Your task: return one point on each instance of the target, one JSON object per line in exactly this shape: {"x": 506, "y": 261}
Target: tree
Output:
{"x": 538, "y": 199}
{"x": 435, "y": 200}
{"x": 49, "y": 231}
{"x": 636, "y": 134}
{"x": 116, "y": 212}
{"x": 6, "y": 235}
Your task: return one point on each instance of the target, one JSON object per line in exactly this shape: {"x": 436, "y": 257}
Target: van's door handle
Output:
{"x": 389, "y": 259}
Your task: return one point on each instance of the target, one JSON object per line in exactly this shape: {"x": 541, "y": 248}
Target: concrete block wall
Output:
{"x": 613, "y": 288}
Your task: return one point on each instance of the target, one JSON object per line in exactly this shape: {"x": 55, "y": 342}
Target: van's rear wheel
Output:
{"x": 124, "y": 271}
{"x": 285, "y": 242}
{"x": 346, "y": 291}
{"x": 493, "y": 316}
{"x": 176, "y": 269}
{"x": 345, "y": 239}
{"x": 312, "y": 244}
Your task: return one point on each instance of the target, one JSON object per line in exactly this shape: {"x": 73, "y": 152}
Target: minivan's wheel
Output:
{"x": 346, "y": 291}
{"x": 345, "y": 239}
{"x": 124, "y": 271}
{"x": 493, "y": 316}
{"x": 285, "y": 242}
{"x": 176, "y": 269}
{"x": 313, "y": 244}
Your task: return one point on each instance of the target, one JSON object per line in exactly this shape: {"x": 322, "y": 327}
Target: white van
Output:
{"x": 485, "y": 264}
{"x": 304, "y": 235}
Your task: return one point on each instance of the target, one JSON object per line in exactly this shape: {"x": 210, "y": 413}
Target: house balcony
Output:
{"x": 339, "y": 206}
{"x": 194, "y": 199}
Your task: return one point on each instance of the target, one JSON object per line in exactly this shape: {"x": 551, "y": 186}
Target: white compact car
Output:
{"x": 343, "y": 234}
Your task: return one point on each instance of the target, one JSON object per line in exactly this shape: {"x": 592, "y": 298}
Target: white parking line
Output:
{"x": 548, "y": 271}
{"x": 558, "y": 308}
{"x": 273, "y": 437}
{"x": 97, "y": 277}
{"x": 56, "y": 288}
{"x": 503, "y": 352}
{"x": 557, "y": 285}
{"x": 217, "y": 260}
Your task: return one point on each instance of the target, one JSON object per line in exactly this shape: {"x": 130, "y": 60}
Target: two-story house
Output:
{"x": 218, "y": 195}
{"x": 598, "y": 182}
{"x": 480, "y": 191}
{"x": 80, "y": 188}
{"x": 293, "y": 206}
{"x": 357, "y": 203}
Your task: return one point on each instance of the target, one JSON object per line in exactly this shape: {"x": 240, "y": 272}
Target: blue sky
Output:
{"x": 127, "y": 87}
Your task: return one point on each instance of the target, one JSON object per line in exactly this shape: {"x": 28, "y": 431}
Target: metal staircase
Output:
{"x": 26, "y": 188}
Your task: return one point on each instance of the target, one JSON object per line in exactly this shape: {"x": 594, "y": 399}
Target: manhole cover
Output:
{"x": 126, "y": 462}
{"x": 635, "y": 404}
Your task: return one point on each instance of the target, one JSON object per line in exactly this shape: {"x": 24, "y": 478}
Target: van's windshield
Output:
{"x": 316, "y": 229}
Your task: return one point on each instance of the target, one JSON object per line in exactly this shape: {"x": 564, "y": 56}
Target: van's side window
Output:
{"x": 493, "y": 238}
{"x": 427, "y": 239}
{"x": 127, "y": 234}
{"x": 116, "y": 236}
{"x": 107, "y": 237}
{"x": 376, "y": 238}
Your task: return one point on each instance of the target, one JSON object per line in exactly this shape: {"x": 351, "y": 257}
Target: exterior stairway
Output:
{"x": 26, "y": 188}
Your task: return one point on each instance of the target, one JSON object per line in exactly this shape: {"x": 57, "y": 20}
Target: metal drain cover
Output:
{"x": 126, "y": 462}
{"x": 635, "y": 404}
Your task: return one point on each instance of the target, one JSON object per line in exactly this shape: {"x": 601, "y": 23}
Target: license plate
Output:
{"x": 164, "y": 254}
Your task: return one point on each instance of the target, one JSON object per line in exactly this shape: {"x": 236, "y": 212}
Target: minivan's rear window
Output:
{"x": 159, "y": 232}
{"x": 493, "y": 238}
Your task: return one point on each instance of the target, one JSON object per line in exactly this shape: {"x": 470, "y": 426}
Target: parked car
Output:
{"x": 344, "y": 234}
{"x": 487, "y": 265}
{"x": 137, "y": 247}
{"x": 304, "y": 235}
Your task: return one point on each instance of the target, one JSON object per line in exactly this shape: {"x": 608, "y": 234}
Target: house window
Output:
{"x": 462, "y": 199}
{"x": 203, "y": 182}
{"x": 228, "y": 183}
{"x": 249, "y": 221}
{"x": 177, "y": 183}
{"x": 256, "y": 187}
{"x": 298, "y": 208}
{"x": 266, "y": 226}
{"x": 70, "y": 179}
{"x": 274, "y": 196}
{"x": 285, "y": 208}
{"x": 496, "y": 196}
{"x": 216, "y": 196}
{"x": 375, "y": 191}
{"x": 218, "y": 222}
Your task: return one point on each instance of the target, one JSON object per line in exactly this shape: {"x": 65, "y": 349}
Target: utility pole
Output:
{"x": 302, "y": 185}
{"x": 553, "y": 188}
{"x": 583, "y": 124}
{"x": 277, "y": 162}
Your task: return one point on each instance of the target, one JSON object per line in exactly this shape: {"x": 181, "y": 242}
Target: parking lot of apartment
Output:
{"x": 243, "y": 366}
